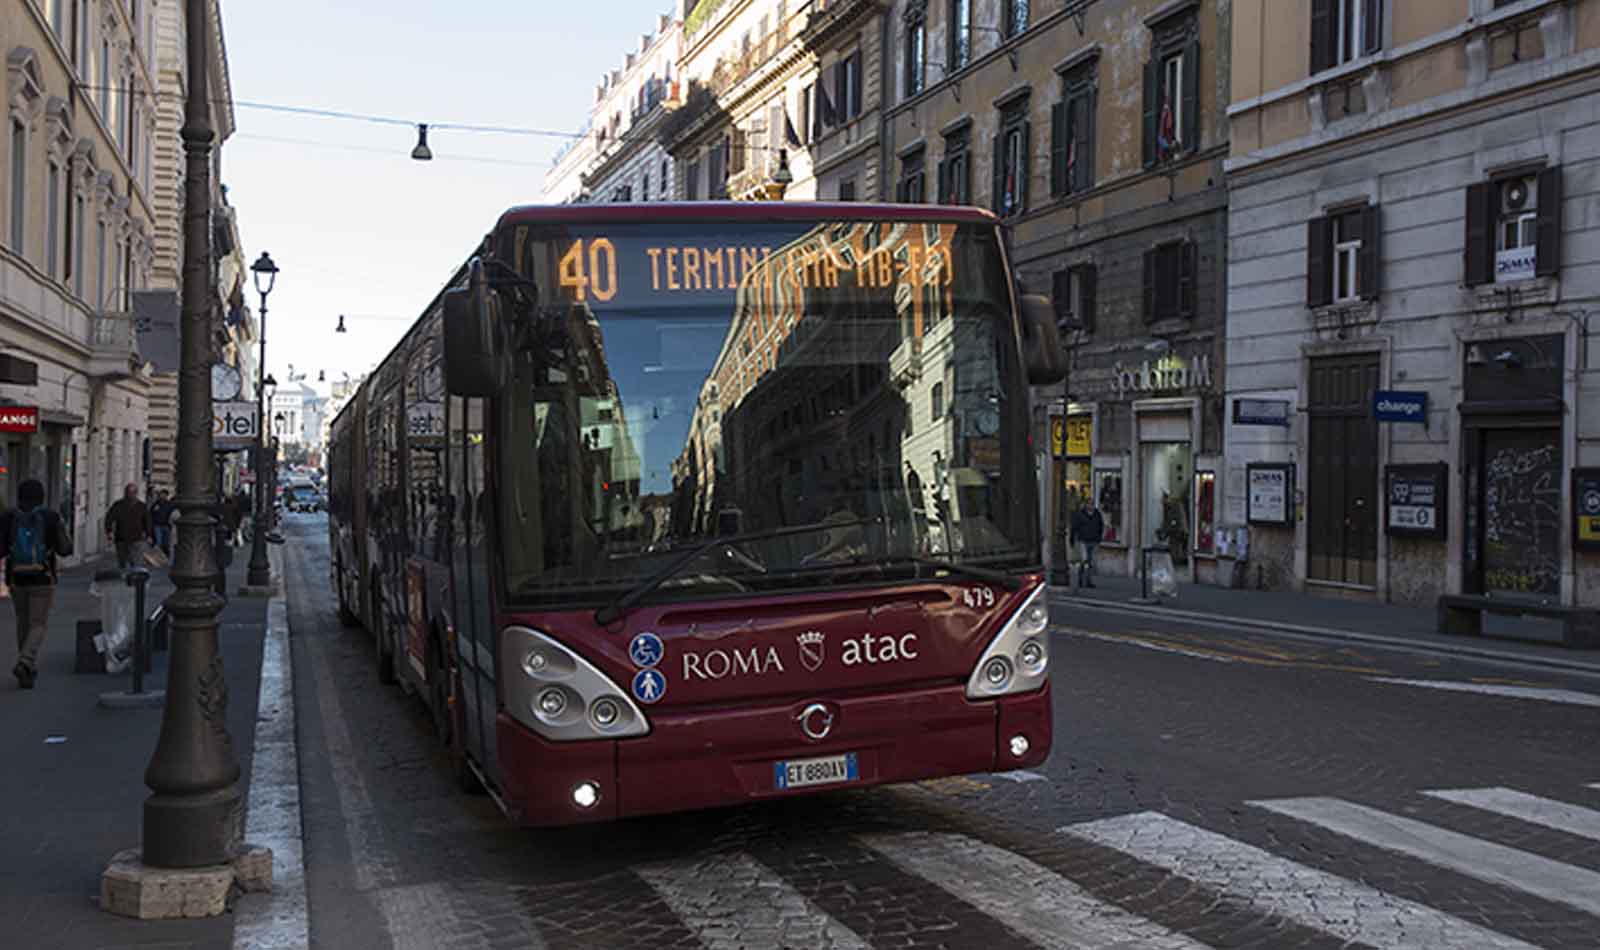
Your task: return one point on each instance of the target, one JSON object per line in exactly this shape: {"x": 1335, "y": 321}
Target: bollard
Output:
{"x": 137, "y": 696}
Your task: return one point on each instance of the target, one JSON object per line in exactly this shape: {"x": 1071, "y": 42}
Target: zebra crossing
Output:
{"x": 731, "y": 900}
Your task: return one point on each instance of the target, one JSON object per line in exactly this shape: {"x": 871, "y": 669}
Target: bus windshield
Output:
{"x": 843, "y": 402}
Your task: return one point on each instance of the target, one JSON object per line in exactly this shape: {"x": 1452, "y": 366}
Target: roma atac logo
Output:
{"x": 812, "y": 644}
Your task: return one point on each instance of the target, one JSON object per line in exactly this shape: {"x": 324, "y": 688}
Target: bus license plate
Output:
{"x": 799, "y": 773}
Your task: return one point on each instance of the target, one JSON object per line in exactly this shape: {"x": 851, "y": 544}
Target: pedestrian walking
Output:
{"x": 161, "y": 518}
{"x": 128, "y": 527}
{"x": 31, "y": 538}
{"x": 1088, "y": 528}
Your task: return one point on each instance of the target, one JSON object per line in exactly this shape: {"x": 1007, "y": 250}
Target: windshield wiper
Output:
{"x": 975, "y": 571}
{"x": 613, "y": 611}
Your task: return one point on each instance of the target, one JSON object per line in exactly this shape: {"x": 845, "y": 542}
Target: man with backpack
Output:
{"x": 31, "y": 538}
{"x": 161, "y": 517}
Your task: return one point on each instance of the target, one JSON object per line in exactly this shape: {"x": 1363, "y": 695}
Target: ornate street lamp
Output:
{"x": 259, "y": 576}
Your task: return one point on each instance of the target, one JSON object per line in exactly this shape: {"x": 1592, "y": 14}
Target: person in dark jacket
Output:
{"x": 1088, "y": 527}
{"x": 161, "y": 518}
{"x": 128, "y": 526}
{"x": 31, "y": 538}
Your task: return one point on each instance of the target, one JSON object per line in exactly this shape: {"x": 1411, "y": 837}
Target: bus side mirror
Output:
{"x": 472, "y": 355}
{"x": 1041, "y": 341}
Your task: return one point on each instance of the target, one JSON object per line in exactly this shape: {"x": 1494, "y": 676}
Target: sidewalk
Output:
{"x": 1520, "y": 639}
{"x": 67, "y": 806}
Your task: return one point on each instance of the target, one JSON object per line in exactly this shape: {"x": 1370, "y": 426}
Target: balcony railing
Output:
{"x": 113, "y": 346}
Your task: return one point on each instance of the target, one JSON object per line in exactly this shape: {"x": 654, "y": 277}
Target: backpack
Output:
{"x": 30, "y": 551}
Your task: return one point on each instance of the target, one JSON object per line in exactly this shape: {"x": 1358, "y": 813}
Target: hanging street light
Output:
{"x": 422, "y": 152}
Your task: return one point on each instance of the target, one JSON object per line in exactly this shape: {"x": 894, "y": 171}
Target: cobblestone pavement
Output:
{"x": 1204, "y": 791}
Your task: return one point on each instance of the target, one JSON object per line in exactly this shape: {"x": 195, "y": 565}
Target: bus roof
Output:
{"x": 754, "y": 211}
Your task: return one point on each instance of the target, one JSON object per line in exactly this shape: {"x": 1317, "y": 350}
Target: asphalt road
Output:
{"x": 1205, "y": 790}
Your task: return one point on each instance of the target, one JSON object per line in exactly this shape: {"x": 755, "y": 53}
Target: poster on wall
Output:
{"x": 1586, "y": 509}
{"x": 1271, "y": 487}
{"x": 1205, "y": 512}
{"x": 1108, "y": 498}
{"x": 1414, "y": 500}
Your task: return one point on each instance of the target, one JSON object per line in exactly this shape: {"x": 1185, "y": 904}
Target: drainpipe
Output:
{"x": 885, "y": 78}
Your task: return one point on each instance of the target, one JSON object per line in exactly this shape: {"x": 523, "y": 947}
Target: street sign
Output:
{"x": 23, "y": 419}
{"x": 234, "y": 425}
{"x": 1393, "y": 405}
{"x": 1261, "y": 412}
{"x": 1586, "y": 509}
{"x": 1416, "y": 497}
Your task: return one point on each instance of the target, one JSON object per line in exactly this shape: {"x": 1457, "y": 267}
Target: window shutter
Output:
{"x": 1058, "y": 148}
{"x": 1319, "y": 262}
{"x": 1187, "y": 268}
{"x": 1191, "y": 97}
{"x": 1547, "y": 262}
{"x": 997, "y": 197}
{"x": 855, "y": 84}
{"x": 1370, "y": 265}
{"x": 900, "y": 189}
{"x": 1150, "y": 286}
{"x": 1083, "y": 135}
{"x": 1026, "y": 175}
{"x": 1479, "y": 263}
{"x": 1321, "y": 35}
{"x": 1373, "y": 41}
{"x": 964, "y": 185}
{"x": 1086, "y": 299}
{"x": 944, "y": 181}
{"x": 1150, "y": 112}
{"x": 1061, "y": 296}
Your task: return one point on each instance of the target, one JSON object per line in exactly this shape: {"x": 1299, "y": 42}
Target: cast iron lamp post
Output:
{"x": 260, "y": 573}
{"x": 193, "y": 816}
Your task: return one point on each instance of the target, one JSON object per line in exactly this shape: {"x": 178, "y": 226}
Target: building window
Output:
{"x": 847, "y": 190}
{"x": 1169, "y": 282}
{"x": 691, "y": 181}
{"x": 1016, "y": 17}
{"x": 1011, "y": 163}
{"x": 1072, "y": 135}
{"x": 955, "y": 170}
{"x": 913, "y": 186}
{"x": 916, "y": 51}
{"x": 666, "y": 182}
{"x": 717, "y": 170}
{"x": 1342, "y": 258}
{"x": 1514, "y": 227}
{"x": 847, "y": 88}
{"x": 936, "y": 408}
{"x": 960, "y": 52}
{"x": 19, "y": 186}
{"x": 622, "y": 193}
{"x": 77, "y": 245}
{"x": 85, "y": 65}
{"x": 1172, "y": 93}
{"x": 810, "y": 118}
{"x": 52, "y": 220}
{"x": 57, "y": 10}
{"x": 1072, "y": 291}
{"x": 1344, "y": 30}
{"x": 644, "y": 187}
{"x": 104, "y": 79}
{"x": 100, "y": 268}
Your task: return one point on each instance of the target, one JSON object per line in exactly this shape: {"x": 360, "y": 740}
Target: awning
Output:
{"x": 59, "y": 417}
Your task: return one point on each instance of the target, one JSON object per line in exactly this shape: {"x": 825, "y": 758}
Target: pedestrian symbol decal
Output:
{"x": 645, "y": 650}
{"x": 649, "y": 685}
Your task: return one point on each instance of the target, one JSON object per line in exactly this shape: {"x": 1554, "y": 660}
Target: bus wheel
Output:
{"x": 381, "y": 634}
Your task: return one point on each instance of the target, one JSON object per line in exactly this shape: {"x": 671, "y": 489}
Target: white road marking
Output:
{"x": 1034, "y": 901}
{"x": 1573, "y": 819}
{"x": 1149, "y": 645}
{"x": 1021, "y": 775}
{"x": 1497, "y": 864}
{"x": 279, "y": 919}
{"x": 1546, "y": 694}
{"x": 1247, "y": 875}
{"x": 732, "y": 901}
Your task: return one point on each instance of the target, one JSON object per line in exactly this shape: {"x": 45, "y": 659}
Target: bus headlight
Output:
{"x": 1017, "y": 660}
{"x": 560, "y": 695}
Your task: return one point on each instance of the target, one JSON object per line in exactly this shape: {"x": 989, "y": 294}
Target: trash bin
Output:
{"x": 117, "y": 620}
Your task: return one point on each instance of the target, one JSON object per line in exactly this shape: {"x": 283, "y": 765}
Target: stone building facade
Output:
{"x": 1413, "y": 283}
{"x": 1098, "y": 132}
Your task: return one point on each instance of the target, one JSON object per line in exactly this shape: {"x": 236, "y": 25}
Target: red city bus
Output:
{"x": 660, "y": 507}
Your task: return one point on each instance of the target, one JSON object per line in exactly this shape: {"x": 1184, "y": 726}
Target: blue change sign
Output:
{"x": 1393, "y": 405}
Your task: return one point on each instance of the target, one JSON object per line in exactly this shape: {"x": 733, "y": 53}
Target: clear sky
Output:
{"x": 356, "y": 226}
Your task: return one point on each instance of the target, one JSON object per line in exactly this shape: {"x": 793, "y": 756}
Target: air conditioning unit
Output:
{"x": 1516, "y": 195}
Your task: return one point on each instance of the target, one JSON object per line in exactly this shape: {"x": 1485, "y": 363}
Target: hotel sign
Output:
{"x": 1168, "y": 374}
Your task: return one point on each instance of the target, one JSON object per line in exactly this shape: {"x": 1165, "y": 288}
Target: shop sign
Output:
{"x": 984, "y": 454}
{"x": 1269, "y": 486}
{"x": 1261, "y": 412}
{"x": 1416, "y": 496}
{"x": 1514, "y": 264}
{"x": 1058, "y": 436}
{"x": 23, "y": 419}
{"x": 1586, "y": 509}
{"x": 1080, "y": 435}
{"x": 425, "y": 422}
{"x": 1393, "y": 405}
{"x": 233, "y": 425}
{"x": 1168, "y": 374}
